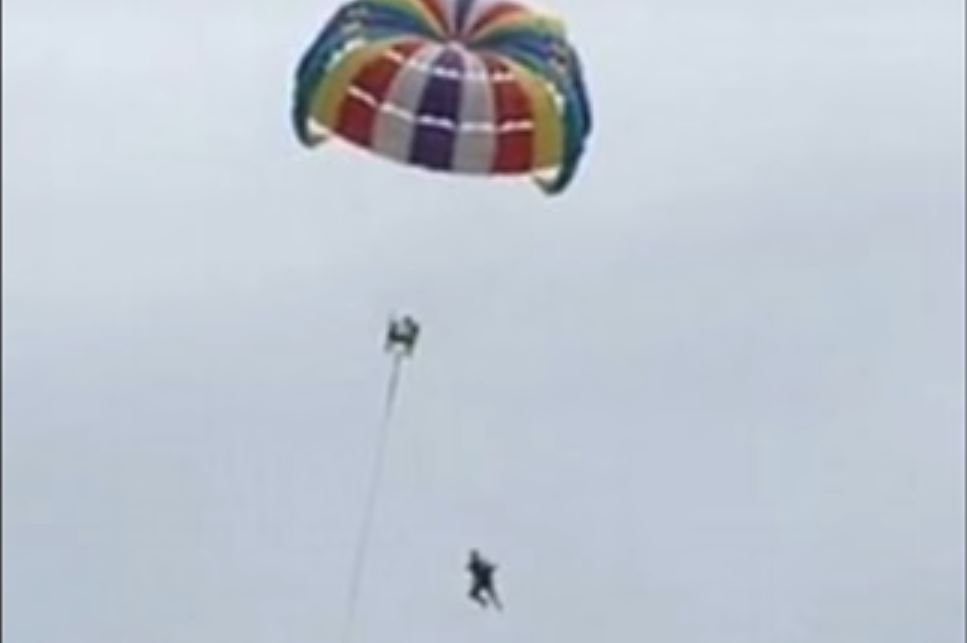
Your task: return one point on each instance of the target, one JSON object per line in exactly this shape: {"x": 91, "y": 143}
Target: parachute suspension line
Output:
{"x": 372, "y": 495}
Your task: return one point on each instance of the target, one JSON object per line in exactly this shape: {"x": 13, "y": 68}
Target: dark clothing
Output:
{"x": 483, "y": 588}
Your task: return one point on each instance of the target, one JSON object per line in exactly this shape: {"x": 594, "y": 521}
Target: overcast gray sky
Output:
{"x": 714, "y": 393}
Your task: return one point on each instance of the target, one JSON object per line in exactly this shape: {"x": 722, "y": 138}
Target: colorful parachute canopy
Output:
{"x": 472, "y": 86}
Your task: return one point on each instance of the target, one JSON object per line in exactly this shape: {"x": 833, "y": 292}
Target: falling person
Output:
{"x": 482, "y": 589}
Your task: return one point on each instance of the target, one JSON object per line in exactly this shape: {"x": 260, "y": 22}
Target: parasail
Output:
{"x": 483, "y": 87}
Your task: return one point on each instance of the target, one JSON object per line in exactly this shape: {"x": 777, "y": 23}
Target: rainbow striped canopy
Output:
{"x": 472, "y": 86}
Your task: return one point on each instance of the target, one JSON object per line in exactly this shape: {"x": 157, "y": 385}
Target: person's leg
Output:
{"x": 475, "y": 594}
{"x": 492, "y": 592}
